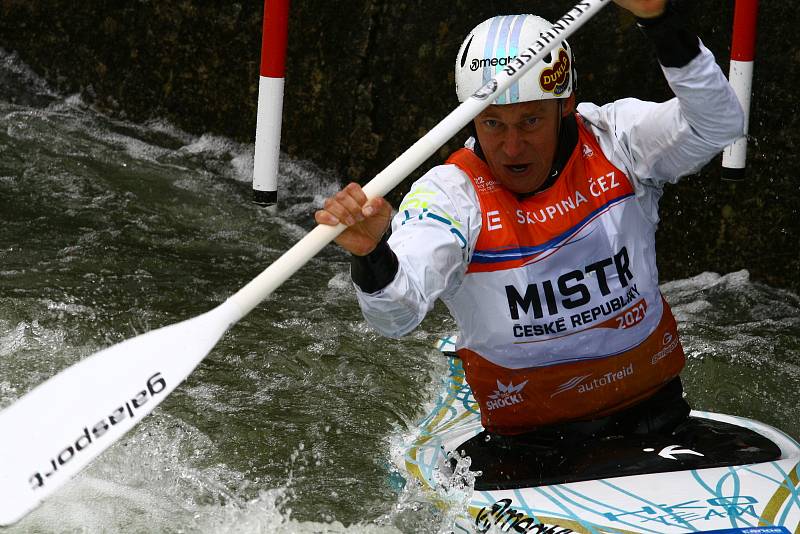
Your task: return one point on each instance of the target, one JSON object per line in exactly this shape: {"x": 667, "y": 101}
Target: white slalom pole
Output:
{"x": 60, "y": 426}
{"x": 270, "y": 101}
{"x": 734, "y": 157}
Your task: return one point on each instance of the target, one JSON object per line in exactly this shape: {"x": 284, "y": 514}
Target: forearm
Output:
{"x": 706, "y": 100}
{"x": 428, "y": 261}
{"x": 424, "y": 258}
{"x": 664, "y": 141}
{"x": 396, "y": 309}
{"x": 708, "y": 109}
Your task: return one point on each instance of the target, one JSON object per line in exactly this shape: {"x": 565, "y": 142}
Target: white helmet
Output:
{"x": 496, "y": 42}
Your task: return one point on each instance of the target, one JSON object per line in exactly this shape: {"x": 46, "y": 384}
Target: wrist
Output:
{"x": 654, "y": 18}
{"x": 650, "y": 14}
{"x": 374, "y": 271}
{"x": 652, "y": 11}
{"x": 675, "y": 44}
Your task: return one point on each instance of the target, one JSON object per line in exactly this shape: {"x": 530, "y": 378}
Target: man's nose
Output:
{"x": 512, "y": 143}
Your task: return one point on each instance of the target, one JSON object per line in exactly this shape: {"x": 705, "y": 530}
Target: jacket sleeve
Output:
{"x": 433, "y": 236}
{"x": 660, "y": 142}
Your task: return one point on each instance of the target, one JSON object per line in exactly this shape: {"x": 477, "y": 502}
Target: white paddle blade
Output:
{"x": 59, "y": 427}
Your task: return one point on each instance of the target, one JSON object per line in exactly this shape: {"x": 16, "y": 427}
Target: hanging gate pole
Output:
{"x": 270, "y": 101}
{"x": 741, "y": 77}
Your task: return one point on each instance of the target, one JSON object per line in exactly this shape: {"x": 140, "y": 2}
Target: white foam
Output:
{"x": 12, "y": 341}
{"x": 10, "y": 62}
{"x": 269, "y": 514}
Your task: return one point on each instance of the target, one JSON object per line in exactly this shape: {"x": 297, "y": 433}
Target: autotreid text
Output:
{"x": 582, "y": 385}
{"x": 90, "y": 434}
{"x": 507, "y": 519}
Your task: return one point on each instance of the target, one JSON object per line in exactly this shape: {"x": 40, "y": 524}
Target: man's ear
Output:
{"x": 568, "y": 106}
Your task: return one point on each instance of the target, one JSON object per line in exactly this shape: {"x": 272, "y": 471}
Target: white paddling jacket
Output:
{"x": 556, "y": 295}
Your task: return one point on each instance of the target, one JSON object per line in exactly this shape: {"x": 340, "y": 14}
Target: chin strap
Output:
{"x": 556, "y": 168}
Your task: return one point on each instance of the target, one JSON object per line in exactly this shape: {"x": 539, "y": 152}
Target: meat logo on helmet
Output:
{"x": 555, "y": 79}
{"x": 476, "y": 63}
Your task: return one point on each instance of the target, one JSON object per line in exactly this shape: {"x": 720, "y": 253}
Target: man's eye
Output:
{"x": 490, "y": 123}
{"x": 531, "y": 121}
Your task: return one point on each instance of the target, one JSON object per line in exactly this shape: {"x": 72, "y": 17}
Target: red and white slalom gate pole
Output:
{"x": 743, "y": 49}
{"x": 270, "y": 101}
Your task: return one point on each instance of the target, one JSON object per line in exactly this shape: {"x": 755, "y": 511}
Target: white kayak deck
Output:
{"x": 759, "y": 498}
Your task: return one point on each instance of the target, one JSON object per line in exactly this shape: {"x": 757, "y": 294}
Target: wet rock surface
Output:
{"x": 366, "y": 78}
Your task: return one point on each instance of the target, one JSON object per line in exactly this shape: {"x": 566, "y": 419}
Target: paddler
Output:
{"x": 539, "y": 236}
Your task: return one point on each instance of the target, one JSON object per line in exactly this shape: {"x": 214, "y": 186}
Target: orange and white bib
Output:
{"x": 560, "y": 313}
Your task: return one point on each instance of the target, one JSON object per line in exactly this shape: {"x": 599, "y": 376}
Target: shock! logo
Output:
{"x": 506, "y": 395}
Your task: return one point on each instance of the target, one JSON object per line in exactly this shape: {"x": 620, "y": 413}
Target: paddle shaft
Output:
{"x": 301, "y": 253}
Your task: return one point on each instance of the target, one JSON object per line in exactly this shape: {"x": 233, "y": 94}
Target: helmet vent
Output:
{"x": 466, "y": 50}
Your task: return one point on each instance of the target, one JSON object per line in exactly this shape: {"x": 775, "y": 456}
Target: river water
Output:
{"x": 110, "y": 229}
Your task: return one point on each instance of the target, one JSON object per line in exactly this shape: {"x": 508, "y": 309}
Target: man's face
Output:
{"x": 520, "y": 141}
